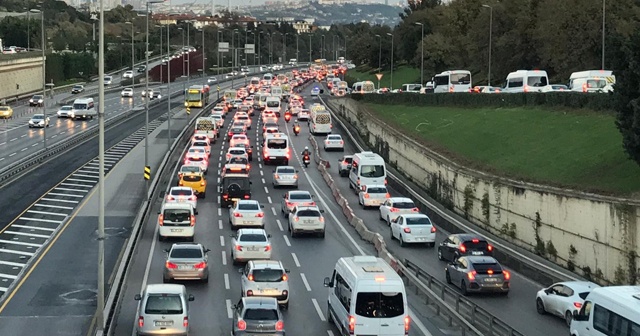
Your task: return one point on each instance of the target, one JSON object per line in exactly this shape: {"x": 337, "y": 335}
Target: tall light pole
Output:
{"x": 297, "y": 47}
{"x": 28, "y": 29}
{"x": 44, "y": 75}
{"x": 422, "y": 54}
{"x": 322, "y": 48}
{"x": 270, "y": 59}
{"x": 490, "y": 41}
{"x": 233, "y": 51}
{"x": 204, "y": 58}
{"x": 101, "y": 102}
{"x": 604, "y": 15}
{"x": 146, "y": 87}
{"x": 379, "y": 56}
{"x": 220, "y": 35}
{"x": 182, "y": 53}
{"x": 168, "y": 87}
{"x": 246, "y": 39}
{"x": 133, "y": 60}
{"x": 310, "y": 58}
{"x": 188, "y": 53}
{"x": 391, "y": 83}
{"x": 254, "y": 44}
{"x": 333, "y": 47}
{"x": 159, "y": 26}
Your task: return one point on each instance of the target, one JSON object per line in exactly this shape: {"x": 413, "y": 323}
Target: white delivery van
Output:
{"x": 592, "y": 81}
{"x": 320, "y": 120}
{"x": 526, "y": 81}
{"x": 276, "y": 149}
{"x": 452, "y": 81}
{"x": 363, "y": 87}
{"x": 273, "y": 103}
{"x": 176, "y": 220}
{"x": 367, "y": 168}
{"x": 276, "y": 91}
{"x": 608, "y": 311}
{"x": 207, "y": 126}
{"x": 83, "y": 108}
{"x": 414, "y": 88}
{"x": 367, "y": 297}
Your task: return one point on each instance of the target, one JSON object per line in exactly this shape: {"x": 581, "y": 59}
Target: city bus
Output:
{"x": 197, "y": 96}
{"x": 452, "y": 81}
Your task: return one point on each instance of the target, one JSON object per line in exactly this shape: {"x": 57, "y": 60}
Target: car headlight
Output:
{"x": 31, "y": 122}
{"x": 40, "y": 101}
{"x": 31, "y": 100}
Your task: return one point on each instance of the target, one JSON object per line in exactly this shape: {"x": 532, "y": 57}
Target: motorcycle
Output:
{"x": 306, "y": 161}
{"x": 287, "y": 117}
{"x": 296, "y": 129}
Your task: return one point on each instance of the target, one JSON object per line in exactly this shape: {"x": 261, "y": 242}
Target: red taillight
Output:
{"x": 250, "y": 292}
{"x": 407, "y": 230}
{"x": 462, "y": 248}
{"x": 279, "y": 326}
{"x": 578, "y": 305}
{"x": 475, "y": 241}
{"x": 366, "y": 196}
{"x": 193, "y": 198}
{"x": 290, "y": 204}
{"x": 341, "y": 142}
{"x": 407, "y": 323}
{"x": 238, "y": 248}
{"x": 394, "y": 210}
{"x": 246, "y": 196}
{"x": 242, "y": 325}
{"x": 489, "y": 247}
{"x": 170, "y": 265}
{"x": 352, "y": 324}
{"x": 185, "y": 322}
{"x": 433, "y": 229}
{"x": 471, "y": 275}
{"x": 160, "y": 219}
{"x": 236, "y": 214}
{"x": 507, "y": 276}
{"x": 200, "y": 265}
{"x": 181, "y": 183}
{"x": 193, "y": 220}
{"x": 267, "y": 248}
{"x": 260, "y": 214}
{"x": 490, "y": 271}
{"x": 231, "y": 134}
{"x": 415, "y": 210}
{"x": 584, "y": 87}
{"x": 250, "y": 277}
{"x": 170, "y": 198}
{"x": 140, "y": 321}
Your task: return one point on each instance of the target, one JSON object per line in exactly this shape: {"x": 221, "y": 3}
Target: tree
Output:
{"x": 627, "y": 93}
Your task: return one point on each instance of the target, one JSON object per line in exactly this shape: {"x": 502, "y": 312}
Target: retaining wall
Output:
{"x": 20, "y": 76}
{"x": 597, "y": 234}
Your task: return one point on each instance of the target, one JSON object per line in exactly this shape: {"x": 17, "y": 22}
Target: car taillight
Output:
{"x": 181, "y": 183}
{"x": 236, "y": 214}
{"x": 250, "y": 292}
{"x": 260, "y": 214}
{"x": 578, "y": 305}
{"x": 200, "y": 265}
{"x": 394, "y": 210}
{"x": 366, "y": 196}
{"x": 462, "y": 248}
{"x": 279, "y": 326}
{"x": 407, "y": 323}
{"x": 471, "y": 275}
{"x": 238, "y": 248}
{"x": 415, "y": 210}
{"x": 170, "y": 265}
{"x": 352, "y": 324}
{"x": 489, "y": 247}
{"x": 242, "y": 325}
{"x": 321, "y": 219}
{"x": 160, "y": 219}
{"x": 193, "y": 198}
{"x": 230, "y": 133}
{"x": 276, "y": 176}
{"x": 247, "y": 196}
{"x": 451, "y": 89}
{"x": 507, "y": 276}
{"x": 267, "y": 248}
{"x": 193, "y": 220}
{"x": 140, "y": 321}
{"x": 285, "y": 278}
{"x": 433, "y": 229}
{"x": 341, "y": 142}
{"x": 201, "y": 184}
{"x": 170, "y": 198}
{"x": 185, "y": 322}
{"x": 407, "y": 230}
{"x": 290, "y": 204}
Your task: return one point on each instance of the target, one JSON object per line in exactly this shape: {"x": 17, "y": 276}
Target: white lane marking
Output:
{"x": 58, "y": 200}
{"x": 26, "y": 234}
{"x": 224, "y": 257}
{"x": 1, "y": 159}
{"x": 76, "y": 185}
{"x": 263, "y": 181}
{"x": 318, "y": 310}
{"x": 220, "y": 224}
{"x": 219, "y": 212}
{"x": 229, "y": 309}
{"x": 24, "y": 135}
{"x": 14, "y": 139}
{"x": 35, "y": 144}
{"x": 8, "y": 263}
{"x": 262, "y": 174}
{"x": 41, "y": 220}
{"x": 24, "y": 149}
{"x": 32, "y": 228}
{"x": 286, "y": 240}
{"x": 306, "y": 283}
{"x": 260, "y": 165}
{"x": 295, "y": 259}
{"x": 218, "y": 181}
{"x": 221, "y": 240}
{"x": 16, "y": 252}
{"x": 269, "y": 199}
{"x": 13, "y": 242}
{"x": 12, "y": 154}
{"x": 226, "y": 281}
{"x": 66, "y": 195}
{"x": 274, "y": 211}
{"x": 47, "y": 213}
{"x": 329, "y": 332}
{"x": 266, "y": 190}
{"x": 279, "y": 225}
{"x": 69, "y": 189}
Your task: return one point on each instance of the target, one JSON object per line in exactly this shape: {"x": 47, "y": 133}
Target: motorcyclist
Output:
{"x": 306, "y": 152}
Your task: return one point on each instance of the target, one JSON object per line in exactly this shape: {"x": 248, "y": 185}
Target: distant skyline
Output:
{"x": 235, "y": 2}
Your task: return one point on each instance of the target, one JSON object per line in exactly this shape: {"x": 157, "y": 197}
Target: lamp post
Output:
{"x": 133, "y": 60}
{"x": 490, "y": 40}
{"x": 333, "y": 47}
{"x": 233, "y": 51}
{"x": 604, "y": 13}
{"x": 44, "y": 76}
{"x": 101, "y": 179}
{"x": 310, "y": 58}
{"x": 168, "y": 88}
{"x": 379, "y": 56}
{"x": 28, "y": 29}
{"x": 204, "y": 58}
{"x": 146, "y": 87}
{"x": 297, "y": 47}
{"x": 254, "y": 44}
{"x": 259, "y": 50}
{"x": 269, "y": 58}
{"x": 159, "y": 26}
{"x": 182, "y": 52}
{"x": 391, "y": 83}
{"x": 322, "y": 48}
{"x": 188, "y": 53}
{"x": 422, "y": 54}
{"x": 219, "y": 34}
{"x": 246, "y": 39}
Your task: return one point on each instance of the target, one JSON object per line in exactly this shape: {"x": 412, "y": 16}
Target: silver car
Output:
{"x": 64, "y": 111}
{"x": 186, "y": 262}
{"x": 295, "y": 198}
{"x": 250, "y": 244}
{"x": 344, "y": 165}
{"x": 39, "y": 120}
{"x": 257, "y": 316}
{"x": 478, "y": 274}
{"x": 246, "y": 213}
{"x": 163, "y": 309}
{"x": 266, "y": 278}
{"x": 285, "y": 176}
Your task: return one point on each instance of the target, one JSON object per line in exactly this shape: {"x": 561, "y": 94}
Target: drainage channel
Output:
{"x": 28, "y": 234}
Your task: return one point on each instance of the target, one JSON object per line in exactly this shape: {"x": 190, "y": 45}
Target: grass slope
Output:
{"x": 401, "y": 75}
{"x": 578, "y": 149}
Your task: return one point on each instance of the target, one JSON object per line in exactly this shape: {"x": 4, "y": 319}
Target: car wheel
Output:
{"x": 463, "y": 288}
{"x": 391, "y": 233}
{"x": 286, "y": 306}
{"x": 321, "y": 234}
{"x": 205, "y": 280}
{"x": 567, "y": 318}
{"x": 447, "y": 277}
{"x": 388, "y": 220}
{"x": 540, "y": 307}
{"x": 329, "y": 316}
{"x": 402, "y": 243}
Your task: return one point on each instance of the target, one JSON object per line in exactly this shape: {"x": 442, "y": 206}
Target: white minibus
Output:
{"x": 608, "y": 311}
{"x": 526, "y": 81}
{"x": 452, "y": 81}
{"x": 367, "y": 168}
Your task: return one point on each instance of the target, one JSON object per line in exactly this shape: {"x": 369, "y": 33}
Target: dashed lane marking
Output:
{"x": 305, "y": 282}
{"x": 318, "y": 310}
{"x": 295, "y": 259}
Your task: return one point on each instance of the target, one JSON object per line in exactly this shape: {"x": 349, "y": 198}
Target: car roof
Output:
{"x": 257, "y": 302}
{"x": 307, "y": 207}
{"x": 415, "y": 215}
{"x": 248, "y": 202}
{"x": 165, "y": 289}
{"x": 299, "y": 192}
{"x": 400, "y": 199}
{"x": 285, "y": 167}
{"x": 187, "y": 246}
{"x": 252, "y": 231}
{"x": 274, "y": 264}
{"x": 375, "y": 186}
{"x": 232, "y": 148}
{"x": 182, "y": 188}
{"x": 482, "y": 260}
{"x": 579, "y": 286}
{"x": 468, "y": 236}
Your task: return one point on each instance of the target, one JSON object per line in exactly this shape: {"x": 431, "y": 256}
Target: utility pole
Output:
{"x": 168, "y": 88}
{"x": 297, "y": 45}
{"x": 188, "y": 55}
{"x": 204, "y": 58}
{"x": 101, "y": 237}
{"x": 310, "y": 58}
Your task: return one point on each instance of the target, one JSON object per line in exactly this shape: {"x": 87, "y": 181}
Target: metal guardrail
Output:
{"x": 482, "y": 321}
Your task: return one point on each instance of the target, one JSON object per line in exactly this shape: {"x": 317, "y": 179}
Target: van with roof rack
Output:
{"x": 613, "y": 310}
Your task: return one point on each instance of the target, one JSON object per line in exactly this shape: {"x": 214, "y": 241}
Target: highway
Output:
{"x": 309, "y": 259}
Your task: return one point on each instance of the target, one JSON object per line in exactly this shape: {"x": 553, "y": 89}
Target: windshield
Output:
{"x": 403, "y": 205}
{"x": 277, "y": 143}
{"x": 273, "y": 103}
{"x": 66, "y": 108}
{"x": 192, "y": 178}
{"x": 252, "y": 237}
{"x": 38, "y": 116}
{"x": 287, "y": 170}
{"x": 418, "y": 221}
{"x": 460, "y": 79}
{"x": 190, "y": 169}
{"x": 177, "y": 215}
{"x": 80, "y": 106}
{"x": 377, "y": 190}
{"x": 308, "y": 213}
{"x": 193, "y": 97}
{"x": 165, "y": 304}
{"x": 596, "y": 83}
{"x": 372, "y": 171}
{"x": 486, "y": 267}
{"x": 267, "y": 275}
{"x": 298, "y": 197}
{"x": 260, "y": 315}
{"x": 181, "y": 192}
{"x": 537, "y": 81}
{"x": 190, "y": 253}
{"x": 248, "y": 206}
{"x": 379, "y": 305}
{"x": 242, "y": 182}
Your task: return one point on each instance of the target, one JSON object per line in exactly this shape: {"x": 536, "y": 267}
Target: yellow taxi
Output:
{"x": 6, "y": 112}
{"x": 194, "y": 180}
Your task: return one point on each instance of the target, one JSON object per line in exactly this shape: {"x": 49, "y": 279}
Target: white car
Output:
{"x": 143, "y": 93}
{"x": 306, "y": 219}
{"x": 285, "y": 176}
{"x": 212, "y": 80}
{"x": 373, "y": 195}
{"x": 295, "y": 198}
{"x": 202, "y": 145}
{"x": 266, "y": 278}
{"x": 127, "y": 74}
{"x": 218, "y": 118}
{"x": 127, "y": 92}
{"x": 396, "y": 206}
{"x": 197, "y": 156}
{"x": 108, "y": 80}
{"x": 200, "y": 137}
{"x": 250, "y": 244}
{"x": 315, "y": 91}
{"x": 238, "y": 140}
{"x": 304, "y": 114}
{"x": 39, "y": 120}
{"x": 246, "y": 213}
{"x": 64, "y": 111}
{"x": 562, "y": 298}
{"x": 183, "y": 195}
{"x": 413, "y": 228}
{"x": 334, "y": 142}
{"x": 237, "y": 152}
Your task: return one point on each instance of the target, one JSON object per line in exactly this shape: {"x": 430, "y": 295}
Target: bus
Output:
{"x": 452, "y": 81}
{"x": 197, "y": 96}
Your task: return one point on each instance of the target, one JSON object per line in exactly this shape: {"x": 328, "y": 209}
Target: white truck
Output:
{"x": 207, "y": 126}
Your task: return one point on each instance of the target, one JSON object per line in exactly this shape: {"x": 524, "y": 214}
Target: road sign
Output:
{"x": 223, "y": 47}
{"x": 218, "y": 87}
{"x": 249, "y": 48}
{"x": 379, "y": 76}
{"x": 188, "y": 110}
{"x": 147, "y": 172}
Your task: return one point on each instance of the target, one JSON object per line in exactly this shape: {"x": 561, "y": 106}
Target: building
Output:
{"x": 202, "y": 21}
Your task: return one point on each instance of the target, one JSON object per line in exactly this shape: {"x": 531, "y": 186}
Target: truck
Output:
{"x": 207, "y": 126}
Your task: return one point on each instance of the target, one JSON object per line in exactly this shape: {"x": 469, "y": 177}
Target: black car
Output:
{"x": 462, "y": 244}
{"x": 257, "y": 315}
{"x": 234, "y": 187}
{"x": 142, "y": 68}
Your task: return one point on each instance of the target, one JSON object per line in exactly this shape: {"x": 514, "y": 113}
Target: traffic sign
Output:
{"x": 188, "y": 110}
{"x": 218, "y": 87}
{"x": 379, "y": 76}
{"x": 223, "y": 46}
{"x": 147, "y": 172}
{"x": 249, "y": 48}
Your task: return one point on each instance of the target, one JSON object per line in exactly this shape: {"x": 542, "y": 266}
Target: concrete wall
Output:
{"x": 586, "y": 230}
{"x": 20, "y": 76}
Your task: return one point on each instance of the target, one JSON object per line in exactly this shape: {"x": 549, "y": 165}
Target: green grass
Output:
{"x": 401, "y": 75}
{"x": 577, "y": 149}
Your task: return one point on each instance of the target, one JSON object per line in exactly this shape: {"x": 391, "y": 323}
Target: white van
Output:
{"x": 592, "y": 81}
{"x": 452, "y": 81}
{"x": 83, "y": 108}
{"x": 415, "y": 88}
{"x": 367, "y": 297}
{"x": 177, "y": 220}
{"x": 606, "y": 311}
{"x": 276, "y": 149}
{"x": 267, "y": 77}
{"x": 363, "y": 87}
{"x": 273, "y": 104}
{"x": 320, "y": 120}
{"x": 526, "y": 81}
{"x": 276, "y": 91}
{"x": 367, "y": 168}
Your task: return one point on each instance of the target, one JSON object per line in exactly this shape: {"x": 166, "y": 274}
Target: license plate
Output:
{"x": 163, "y": 323}
{"x": 252, "y": 248}
{"x": 184, "y": 267}
{"x": 272, "y": 158}
{"x": 268, "y": 291}
{"x": 176, "y": 230}
{"x": 491, "y": 280}
{"x": 308, "y": 222}
{"x": 247, "y": 222}
{"x": 477, "y": 253}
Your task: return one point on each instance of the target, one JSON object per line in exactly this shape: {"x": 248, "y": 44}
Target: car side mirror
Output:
{"x": 229, "y": 206}
{"x": 327, "y": 282}
{"x": 287, "y": 271}
{"x": 166, "y": 250}
{"x": 234, "y": 307}
{"x": 159, "y": 212}
{"x": 207, "y": 250}
{"x": 452, "y": 264}
{"x": 250, "y": 182}
{"x": 284, "y": 195}
{"x": 321, "y": 211}
{"x": 548, "y": 290}
{"x": 191, "y": 297}
{"x": 261, "y": 206}
{"x": 137, "y": 297}
{"x": 240, "y": 270}
{"x": 268, "y": 235}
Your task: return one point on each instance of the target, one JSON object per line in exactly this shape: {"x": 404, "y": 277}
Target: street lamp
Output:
{"x": 379, "y": 56}
{"x": 133, "y": 61}
{"x": 246, "y": 40}
{"x": 182, "y": 52}
{"x": 44, "y": 76}
{"x": 391, "y": 83}
{"x": 204, "y": 59}
{"x": 159, "y": 26}
{"x": 146, "y": 87}
{"x": 490, "y": 40}
{"x": 168, "y": 88}
{"x": 234, "y": 54}
{"x": 322, "y": 48}
{"x": 604, "y": 13}
{"x": 310, "y": 59}
{"x": 422, "y": 54}
{"x": 297, "y": 46}
{"x": 333, "y": 47}
{"x": 101, "y": 178}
